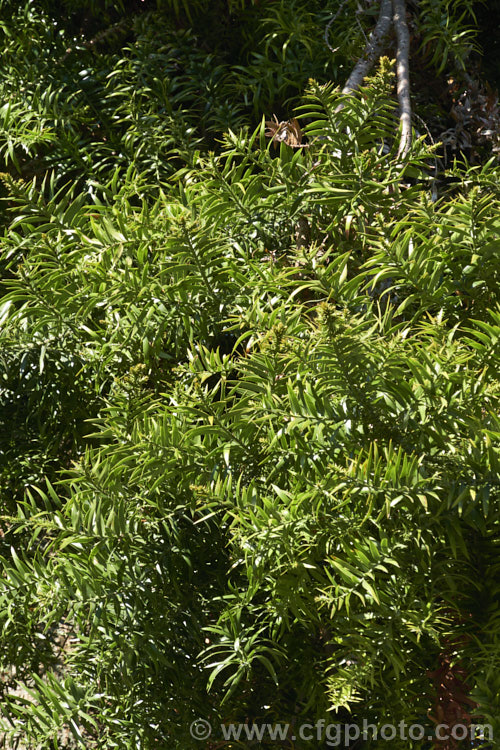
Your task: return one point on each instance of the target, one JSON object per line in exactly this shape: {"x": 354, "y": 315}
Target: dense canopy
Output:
{"x": 249, "y": 371}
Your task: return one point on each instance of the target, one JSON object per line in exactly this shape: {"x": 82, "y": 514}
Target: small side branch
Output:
{"x": 329, "y": 24}
{"x": 403, "y": 73}
{"x": 372, "y": 50}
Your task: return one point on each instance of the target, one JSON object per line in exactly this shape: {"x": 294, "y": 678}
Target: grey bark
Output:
{"x": 372, "y": 49}
{"x": 403, "y": 72}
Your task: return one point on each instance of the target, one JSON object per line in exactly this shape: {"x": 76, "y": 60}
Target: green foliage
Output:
{"x": 250, "y": 477}
{"x": 445, "y": 26}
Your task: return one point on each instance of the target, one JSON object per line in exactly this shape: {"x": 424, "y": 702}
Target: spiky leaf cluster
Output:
{"x": 249, "y": 426}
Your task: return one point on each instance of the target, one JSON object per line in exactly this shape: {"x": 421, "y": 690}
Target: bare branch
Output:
{"x": 328, "y": 25}
{"x": 372, "y": 49}
{"x": 403, "y": 72}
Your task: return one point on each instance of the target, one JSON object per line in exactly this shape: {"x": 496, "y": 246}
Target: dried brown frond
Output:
{"x": 286, "y": 131}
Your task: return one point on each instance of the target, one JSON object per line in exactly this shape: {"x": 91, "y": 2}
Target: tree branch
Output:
{"x": 372, "y": 49}
{"x": 328, "y": 25}
{"x": 403, "y": 72}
